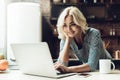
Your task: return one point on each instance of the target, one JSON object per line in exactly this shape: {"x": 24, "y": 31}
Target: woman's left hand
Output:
{"x": 60, "y": 67}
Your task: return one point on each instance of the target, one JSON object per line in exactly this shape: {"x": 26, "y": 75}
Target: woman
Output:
{"x": 79, "y": 39}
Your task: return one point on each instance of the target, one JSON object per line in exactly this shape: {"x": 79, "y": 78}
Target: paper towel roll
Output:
{"x": 23, "y": 24}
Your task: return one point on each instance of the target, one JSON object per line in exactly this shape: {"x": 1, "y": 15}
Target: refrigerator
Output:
{"x": 24, "y": 25}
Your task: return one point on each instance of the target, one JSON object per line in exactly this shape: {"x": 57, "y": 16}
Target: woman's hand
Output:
{"x": 3, "y": 65}
{"x": 68, "y": 38}
{"x": 60, "y": 67}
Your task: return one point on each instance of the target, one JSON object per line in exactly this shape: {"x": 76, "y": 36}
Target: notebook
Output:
{"x": 35, "y": 59}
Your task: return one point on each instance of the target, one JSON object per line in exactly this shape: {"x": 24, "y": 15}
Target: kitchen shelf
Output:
{"x": 111, "y": 37}
{"x": 103, "y": 16}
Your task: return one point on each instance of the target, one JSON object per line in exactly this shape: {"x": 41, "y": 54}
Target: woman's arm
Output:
{"x": 93, "y": 58}
{"x": 79, "y": 68}
{"x": 65, "y": 49}
{"x": 75, "y": 69}
{"x": 64, "y": 56}
{"x": 64, "y": 53}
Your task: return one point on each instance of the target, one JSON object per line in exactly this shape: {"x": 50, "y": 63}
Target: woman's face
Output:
{"x": 70, "y": 28}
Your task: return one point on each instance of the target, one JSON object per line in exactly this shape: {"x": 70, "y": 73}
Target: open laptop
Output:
{"x": 35, "y": 59}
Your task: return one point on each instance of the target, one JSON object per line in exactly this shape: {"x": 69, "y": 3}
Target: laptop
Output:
{"x": 35, "y": 59}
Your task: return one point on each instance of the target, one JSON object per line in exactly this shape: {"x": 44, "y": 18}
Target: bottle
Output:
{"x": 113, "y": 32}
{"x": 117, "y": 54}
{"x": 64, "y": 1}
{"x": 57, "y": 1}
{"x": 95, "y": 1}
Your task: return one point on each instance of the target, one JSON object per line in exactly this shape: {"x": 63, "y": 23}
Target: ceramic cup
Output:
{"x": 105, "y": 66}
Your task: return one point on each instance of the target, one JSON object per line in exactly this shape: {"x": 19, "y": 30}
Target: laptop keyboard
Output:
{"x": 60, "y": 73}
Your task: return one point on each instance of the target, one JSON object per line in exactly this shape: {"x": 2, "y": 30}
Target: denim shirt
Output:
{"x": 92, "y": 48}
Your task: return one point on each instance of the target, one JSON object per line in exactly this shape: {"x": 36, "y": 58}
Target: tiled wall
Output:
{"x": 45, "y": 8}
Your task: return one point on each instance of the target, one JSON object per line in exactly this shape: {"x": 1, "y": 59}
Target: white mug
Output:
{"x": 105, "y": 66}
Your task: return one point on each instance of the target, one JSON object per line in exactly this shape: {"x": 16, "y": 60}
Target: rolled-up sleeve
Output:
{"x": 62, "y": 42}
{"x": 94, "y": 52}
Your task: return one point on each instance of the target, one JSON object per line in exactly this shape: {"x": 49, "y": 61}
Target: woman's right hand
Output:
{"x": 68, "y": 38}
{"x": 60, "y": 67}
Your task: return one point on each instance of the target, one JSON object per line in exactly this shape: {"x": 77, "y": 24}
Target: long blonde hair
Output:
{"x": 78, "y": 19}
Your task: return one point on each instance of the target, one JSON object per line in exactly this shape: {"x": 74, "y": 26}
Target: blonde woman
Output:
{"x": 79, "y": 39}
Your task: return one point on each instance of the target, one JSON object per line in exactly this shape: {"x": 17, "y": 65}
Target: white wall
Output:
{"x": 2, "y": 22}
{"x": 3, "y": 5}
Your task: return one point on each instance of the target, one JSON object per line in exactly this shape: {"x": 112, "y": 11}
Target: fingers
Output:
{"x": 62, "y": 70}
{"x": 56, "y": 65}
{"x": 60, "y": 67}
